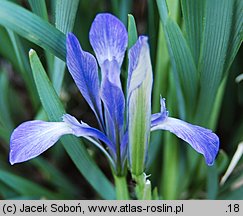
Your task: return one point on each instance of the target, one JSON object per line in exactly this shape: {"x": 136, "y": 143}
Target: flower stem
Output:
{"x": 121, "y": 188}
{"x": 143, "y": 187}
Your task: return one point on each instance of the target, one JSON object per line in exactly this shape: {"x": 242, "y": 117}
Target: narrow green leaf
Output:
{"x": 236, "y": 34}
{"x": 212, "y": 123}
{"x": 193, "y": 13}
{"x": 169, "y": 182}
{"x": 218, "y": 19}
{"x": 125, "y": 8}
{"x": 39, "y": 8}
{"x": 132, "y": 38}
{"x": 58, "y": 74}
{"x": 132, "y": 31}
{"x": 76, "y": 150}
{"x": 115, "y": 6}
{"x": 4, "y": 134}
{"x": 5, "y": 117}
{"x": 162, "y": 63}
{"x": 161, "y": 79}
{"x": 25, "y": 187}
{"x": 161, "y": 71}
{"x": 121, "y": 8}
{"x": 33, "y": 28}
{"x": 184, "y": 68}
{"x": 152, "y": 28}
{"x": 170, "y": 172}
{"x": 222, "y": 161}
{"x": 52, "y": 174}
{"x": 175, "y": 10}
{"x": 212, "y": 183}
{"x": 7, "y": 45}
{"x": 163, "y": 10}
{"x": 65, "y": 17}
{"x": 65, "y": 14}
{"x": 6, "y": 192}
{"x": 24, "y": 67}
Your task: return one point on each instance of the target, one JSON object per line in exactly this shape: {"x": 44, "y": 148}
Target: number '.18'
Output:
{"x": 234, "y": 207}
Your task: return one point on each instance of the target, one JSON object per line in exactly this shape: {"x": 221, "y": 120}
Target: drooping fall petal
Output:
{"x": 32, "y": 138}
{"x": 201, "y": 139}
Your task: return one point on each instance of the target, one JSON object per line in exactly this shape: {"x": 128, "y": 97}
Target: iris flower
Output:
{"x": 124, "y": 123}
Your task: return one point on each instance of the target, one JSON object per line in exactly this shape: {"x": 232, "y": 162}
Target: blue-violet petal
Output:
{"x": 32, "y": 138}
{"x": 108, "y": 37}
{"x": 84, "y": 70}
{"x": 201, "y": 139}
{"x": 113, "y": 97}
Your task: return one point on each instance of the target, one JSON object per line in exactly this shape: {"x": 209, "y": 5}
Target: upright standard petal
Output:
{"x": 84, "y": 70}
{"x": 113, "y": 98}
{"x": 139, "y": 104}
{"x": 32, "y": 138}
{"x": 201, "y": 139}
{"x": 108, "y": 37}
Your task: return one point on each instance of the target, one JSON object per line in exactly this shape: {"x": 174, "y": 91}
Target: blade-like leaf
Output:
{"x": 212, "y": 182}
{"x": 183, "y": 65}
{"x": 193, "y": 12}
{"x": 236, "y": 34}
{"x": 33, "y": 28}
{"x": 7, "y": 45}
{"x": 25, "y": 187}
{"x": 52, "y": 174}
{"x": 66, "y": 14}
{"x": 170, "y": 170}
{"x": 24, "y": 67}
{"x": 218, "y": 19}
{"x": 121, "y": 8}
{"x": 39, "y": 8}
{"x": 162, "y": 63}
{"x": 132, "y": 31}
{"x": 65, "y": 17}
{"x": 4, "y": 134}
{"x": 72, "y": 145}
{"x": 132, "y": 38}
{"x": 5, "y": 117}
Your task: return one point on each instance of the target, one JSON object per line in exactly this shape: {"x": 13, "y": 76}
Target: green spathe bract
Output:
{"x": 139, "y": 110}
